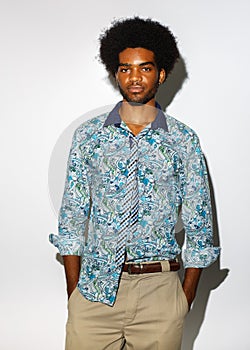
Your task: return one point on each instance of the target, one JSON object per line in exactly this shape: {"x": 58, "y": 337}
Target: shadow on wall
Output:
{"x": 211, "y": 279}
{"x": 173, "y": 84}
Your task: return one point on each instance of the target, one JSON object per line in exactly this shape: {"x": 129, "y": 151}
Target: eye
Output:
{"x": 124, "y": 70}
{"x": 146, "y": 69}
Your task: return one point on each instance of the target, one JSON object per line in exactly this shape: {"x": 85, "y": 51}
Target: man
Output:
{"x": 129, "y": 172}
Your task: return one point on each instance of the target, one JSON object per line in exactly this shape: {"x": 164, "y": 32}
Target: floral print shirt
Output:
{"x": 171, "y": 174}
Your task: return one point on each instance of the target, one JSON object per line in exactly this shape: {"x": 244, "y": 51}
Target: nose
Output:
{"x": 135, "y": 75}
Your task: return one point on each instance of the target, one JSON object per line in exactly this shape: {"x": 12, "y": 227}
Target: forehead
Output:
{"x": 136, "y": 56}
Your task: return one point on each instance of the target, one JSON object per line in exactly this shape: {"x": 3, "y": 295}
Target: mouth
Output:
{"x": 135, "y": 89}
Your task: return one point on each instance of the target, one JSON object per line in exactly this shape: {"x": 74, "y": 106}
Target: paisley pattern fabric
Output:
{"x": 171, "y": 173}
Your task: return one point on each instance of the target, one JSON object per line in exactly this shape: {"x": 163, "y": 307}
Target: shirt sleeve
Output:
{"x": 75, "y": 204}
{"x": 197, "y": 211}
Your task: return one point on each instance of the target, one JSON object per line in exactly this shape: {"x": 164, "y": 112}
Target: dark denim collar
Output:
{"x": 114, "y": 118}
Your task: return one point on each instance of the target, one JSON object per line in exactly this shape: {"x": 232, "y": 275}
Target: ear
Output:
{"x": 162, "y": 76}
{"x": 116, "y": 78}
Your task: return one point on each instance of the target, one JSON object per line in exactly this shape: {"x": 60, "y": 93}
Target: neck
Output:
{"x": 140, "y": 114}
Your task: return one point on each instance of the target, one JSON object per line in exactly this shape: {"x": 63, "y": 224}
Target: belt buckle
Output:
{"x": 140, "y": 265}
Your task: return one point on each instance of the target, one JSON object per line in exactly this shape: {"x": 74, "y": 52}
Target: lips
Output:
{"x": 135, "y": 88}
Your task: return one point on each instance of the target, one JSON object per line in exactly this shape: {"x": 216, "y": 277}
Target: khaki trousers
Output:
{"x": 148, "y": 315}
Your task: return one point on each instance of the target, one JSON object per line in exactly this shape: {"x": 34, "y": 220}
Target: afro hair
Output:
{"x": 138, "y": 32}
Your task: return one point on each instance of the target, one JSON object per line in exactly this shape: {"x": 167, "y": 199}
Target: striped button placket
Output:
{"x": 130, "y": 205}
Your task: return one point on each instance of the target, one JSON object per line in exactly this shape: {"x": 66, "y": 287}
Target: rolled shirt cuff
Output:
{"x": 67, "y": 245}
{"x": 200, "y": 258}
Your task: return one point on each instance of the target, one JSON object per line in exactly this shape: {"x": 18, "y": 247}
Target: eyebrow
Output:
{"x": 140, "y": 65}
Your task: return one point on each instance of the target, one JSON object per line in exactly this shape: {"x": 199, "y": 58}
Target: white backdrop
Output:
{"x": 49, "y": 78}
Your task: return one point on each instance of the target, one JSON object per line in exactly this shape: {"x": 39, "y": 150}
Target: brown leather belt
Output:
{"x": 138, "y": 268}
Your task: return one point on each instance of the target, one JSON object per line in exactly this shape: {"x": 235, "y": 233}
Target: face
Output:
{"x": 137, "y": 76}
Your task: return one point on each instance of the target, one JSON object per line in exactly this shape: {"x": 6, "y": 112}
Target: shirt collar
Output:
{"x": 114, "y": 118}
